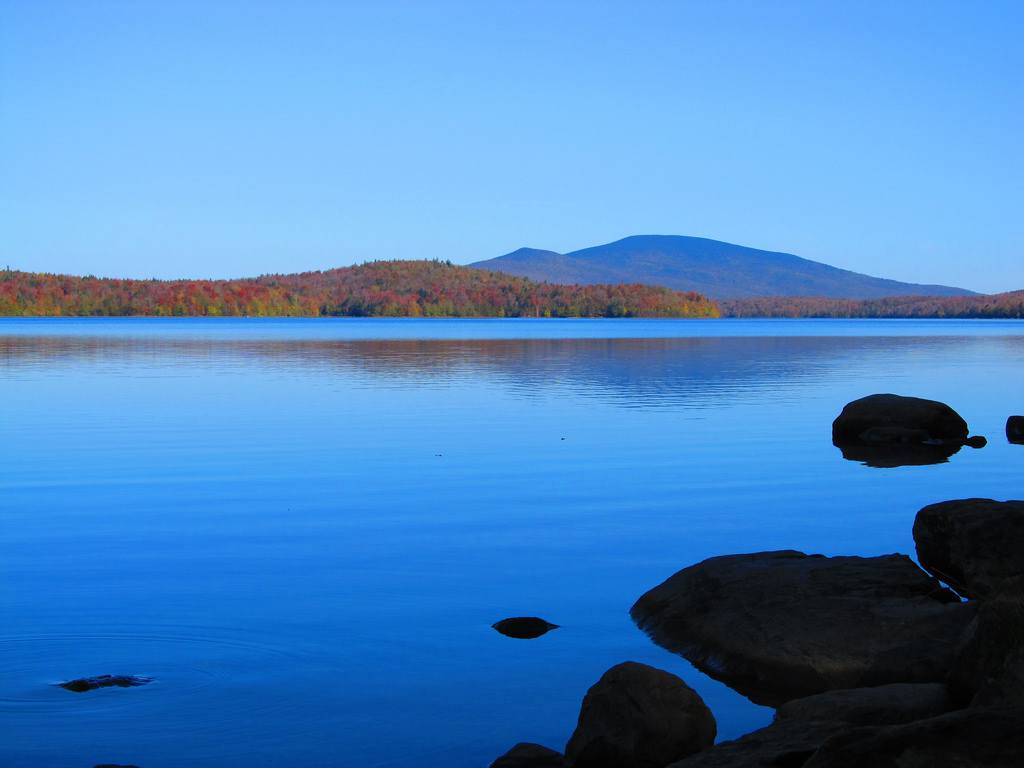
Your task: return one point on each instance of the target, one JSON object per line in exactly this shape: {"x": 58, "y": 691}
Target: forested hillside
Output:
{"x": 375, "y": 289}
{"x": 999, "y": 305}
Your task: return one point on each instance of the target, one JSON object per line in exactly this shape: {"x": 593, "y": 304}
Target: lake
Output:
{"x": 302, "y": 530}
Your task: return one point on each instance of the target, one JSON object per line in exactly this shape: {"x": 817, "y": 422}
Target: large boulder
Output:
{"x": 894, "y": 418}
{"x": 803, "y": 725}
{"x": 974, "y": 545}
{"x": 526, "y": 755}
{"x": 782, "y": 625}
{"x": 988, "y": 737}
{"x": 637, "y": 716}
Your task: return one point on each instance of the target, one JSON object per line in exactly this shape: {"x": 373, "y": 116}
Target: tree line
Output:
{"x": 374, "y": 289}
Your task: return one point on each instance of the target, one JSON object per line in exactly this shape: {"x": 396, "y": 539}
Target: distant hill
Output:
{"x": 380, "y": 288}
{"x": 710, "y": 267}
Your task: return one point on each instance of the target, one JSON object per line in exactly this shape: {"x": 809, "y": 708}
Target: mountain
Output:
{"x": 375, "y": 289}
{"x": 710, "y": 267}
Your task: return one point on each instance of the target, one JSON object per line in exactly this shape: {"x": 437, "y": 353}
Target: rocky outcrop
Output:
{"x": 524, "y": 627}
{"x": 990, "y": 666}
{"x": 892, "y": 430}
{"x": 988, "y": 737}
{"x": 637, "y": 716}
{"x": 782, "y": 625}
{"x": 974, "y": 545}
{"x": 83, "y": 684}
{"x": 879, "y": 705}
{"x": 526, "y": 755}
{"x": 803, "y": 725}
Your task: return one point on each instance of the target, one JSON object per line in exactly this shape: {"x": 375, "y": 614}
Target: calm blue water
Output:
{"x": 303, "y": 530}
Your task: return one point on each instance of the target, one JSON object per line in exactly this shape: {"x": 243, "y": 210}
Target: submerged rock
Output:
{"x": 782, "y": 625}
{"x": 892, "y": 430}
{"x": 524, "y": 627}
{"x": 83, "y": 684}
{"x": 1015, "y": 429}
{"x": 974, "y": 545}
{"x": 526, "y": 755}
{"x": 973, "y": 737}
{"x": 637, "y": 716}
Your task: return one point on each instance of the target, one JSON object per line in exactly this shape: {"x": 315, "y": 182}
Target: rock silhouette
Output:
{"x": 527, "y": 755}
{"x": 782, "y": 625}
{"x": 974, "y": 545}
{"x": 524, "y": 627}
{"x": 83, "y": 684}
{"x": 1015, "y": 429}
{"x": 888, "y": 430}
{"x": 637, "y": 716}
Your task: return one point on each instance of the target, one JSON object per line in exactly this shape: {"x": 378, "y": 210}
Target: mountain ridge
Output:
{"x": 714, "y": 268}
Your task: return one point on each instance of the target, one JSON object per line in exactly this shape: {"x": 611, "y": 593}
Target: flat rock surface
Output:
{"x": 891, "y": 704}
{"x": 777, "y": 626}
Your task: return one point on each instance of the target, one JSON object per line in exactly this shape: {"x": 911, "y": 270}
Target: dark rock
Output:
{"x": 803, "y": 725}
{"x": 780, "y": 745}
{"x": 881, "y": 705}
{"x": 637, "y": 716}
{"x": 524, "y": 627}
{"x": 526, "y": 755}
{"x": 990, "y": 666}
{"x": 972, "y": 737}
{"x": 974, "y": 545}
{"x": 777, "y": 626}
{"x": 83, "y": 684}
{"x": 892, "y": 430}
{"x": 976, "y": 441}
{"x": 1015, "y": 429}
{"x": 910, "y": 415}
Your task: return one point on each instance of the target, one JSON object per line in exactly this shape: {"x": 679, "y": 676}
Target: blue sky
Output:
{"x": 226, "y": 139}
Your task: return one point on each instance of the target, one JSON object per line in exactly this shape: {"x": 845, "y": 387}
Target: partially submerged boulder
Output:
{"x": 782, "y": 625}
{"x": 780, "y": 745}
{"x": 83, "y": 684}
{"x": 527, "y": 755}
{"x": 991, "y": 737}
{"x": 1015, "y": 429}
{"x": 637, "y": 716}
{"x": 974, "y": 545}
{"x": 524, "y": 627}
{"x": 892, "y": 430}
{"x": 898, "y": 419}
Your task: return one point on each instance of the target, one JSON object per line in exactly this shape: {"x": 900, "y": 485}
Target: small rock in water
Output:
{"x": 976, "y": 441}
{"x": 526, "y": 755}
{"x": 1015, "y": 429}
{"x": 82, "y": 684}
{"x": 524, "y": 627}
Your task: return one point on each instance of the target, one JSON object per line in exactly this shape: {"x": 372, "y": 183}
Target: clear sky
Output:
{"x": 217, "y": 138}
